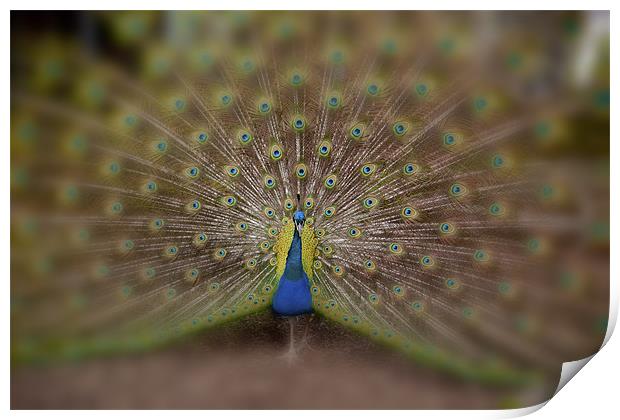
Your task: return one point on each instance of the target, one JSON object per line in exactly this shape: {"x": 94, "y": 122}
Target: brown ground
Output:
{"x": 245, "y": 367}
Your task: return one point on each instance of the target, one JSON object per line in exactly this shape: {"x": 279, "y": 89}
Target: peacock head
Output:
{"x": 299, "y": 216}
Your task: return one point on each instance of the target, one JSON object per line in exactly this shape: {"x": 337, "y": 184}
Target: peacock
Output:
{"x": 433, "y": 182}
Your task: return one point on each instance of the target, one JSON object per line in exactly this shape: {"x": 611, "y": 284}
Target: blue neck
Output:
{"x": 292, "y": 296}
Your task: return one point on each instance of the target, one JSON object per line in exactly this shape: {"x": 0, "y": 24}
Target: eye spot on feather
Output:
{"x": 317, "y": 265}
{"x": 452, "y": 284}
{"x": 150, "y": 187}
{"x": 370, "y": 202}
{"x": 398, "y": 290}
{"x": 191, "y": 275}
{"x": 116, "y": 208}
{"x": 225, "y": 99}
{"x": 179, "y": 104}
{"x": 301, "y": 170}
{"x": 267, "y": 289}
{"x": 480, "y": 103}
{"x": 269, "y": 181}
{"x": 229, "y": 201}
{"x": 505, "y": 288}
{"x": 354, "y": 232}
{"x": 395, "y": 248}
{"x": 170, "y": 293}
{"x": 329, "y": 211}
{"x": 327, "y": 250}
{"x": 417, "y": 306}
{"x": 269, "y": 212}
{"x": 156, "y": 224}
{"x": 264, "y": 246}
{"x": 320, "y": 233}
{"x": 373, "y": 89}
{"x": 193, "y": 206}
{"x": 446, "y": 228}
{"x": 334, "y": 100}
{"x": 324, "y": 148}
{"x": 298, "y": 123}
{"x": 244, "y": 137}
{"x": 498, "y": 161}
{"x": 338, "y": 270}
{"x": 410, "y": 169}
{"x": 296, "y": 79}
{"x": 315, "y": 290}
{"x": 201, "y": 137}
{"x": 451, "y": 139}
{"x": 330, "y": 181}
{"x": 480, "y": 255}
{"x": 250, "y": 264}
{"x": 214, "y": 287}
{"x": 400, "y": 128}
{"x": 458, "y": 190}
{"x": 220, "y": 253}
{"x": 427, "y": 261}
{"x": 112, "y": 168}
{"x": 537, "y": 246}
{"x": 275, "y": 152}
{"x": 126, "y": 246}
{"x": 368, "y": 169}
{"x": 496, "y": 209}
{"x": 308, "y": 203}
{"x": 264, "y": 106}
{"x": 273, "y": 262}
{"x": 468, "y": 313}
{"x": 192, "y": 172}
{"x": 288, "y": 204}
{"x": 409, "y": 213}
{"x": 421, "y": 89}
{"x": 148, "y": 273}
{"x": 337, "y": 56}
{"x": 370, "y": 265}
{"x": 200, "y": 240}
{"x": 241, "y": 227}
{"x": 273, "y": 231}
{"x": 160, "y": 146}
{"x": 357, "y": 131}
{"x": 373, "y": 298}
{"x": 232, "y": 171}
{"x": 171, "y": 251}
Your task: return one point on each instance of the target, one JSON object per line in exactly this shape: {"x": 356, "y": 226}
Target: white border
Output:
{"x": 593, "y": 394}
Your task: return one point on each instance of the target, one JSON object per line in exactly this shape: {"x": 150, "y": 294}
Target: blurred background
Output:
{"x": 554, "y": 67}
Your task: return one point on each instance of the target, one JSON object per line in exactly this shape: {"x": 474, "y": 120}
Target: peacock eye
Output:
{"x": 497, "y": 161}
{"x": 161, "y": 146}
{"x": 298, "y": 123}
{"x": 324, "y": 148}
{"x": 244, "y": 136}
{"x": 457, "y": 190}
{"x": 372, "y": 89}
{"x": 301, "y": 170}
{"x": 410, "y": 168}
{"x": 417, "y": 306}
{"x": 264, "y": 107}
{"x": 400, "y": 128}
{"x": 396, "y": 248}
{"x": 370, "y": 202}
{"x": 446, "y": 228}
